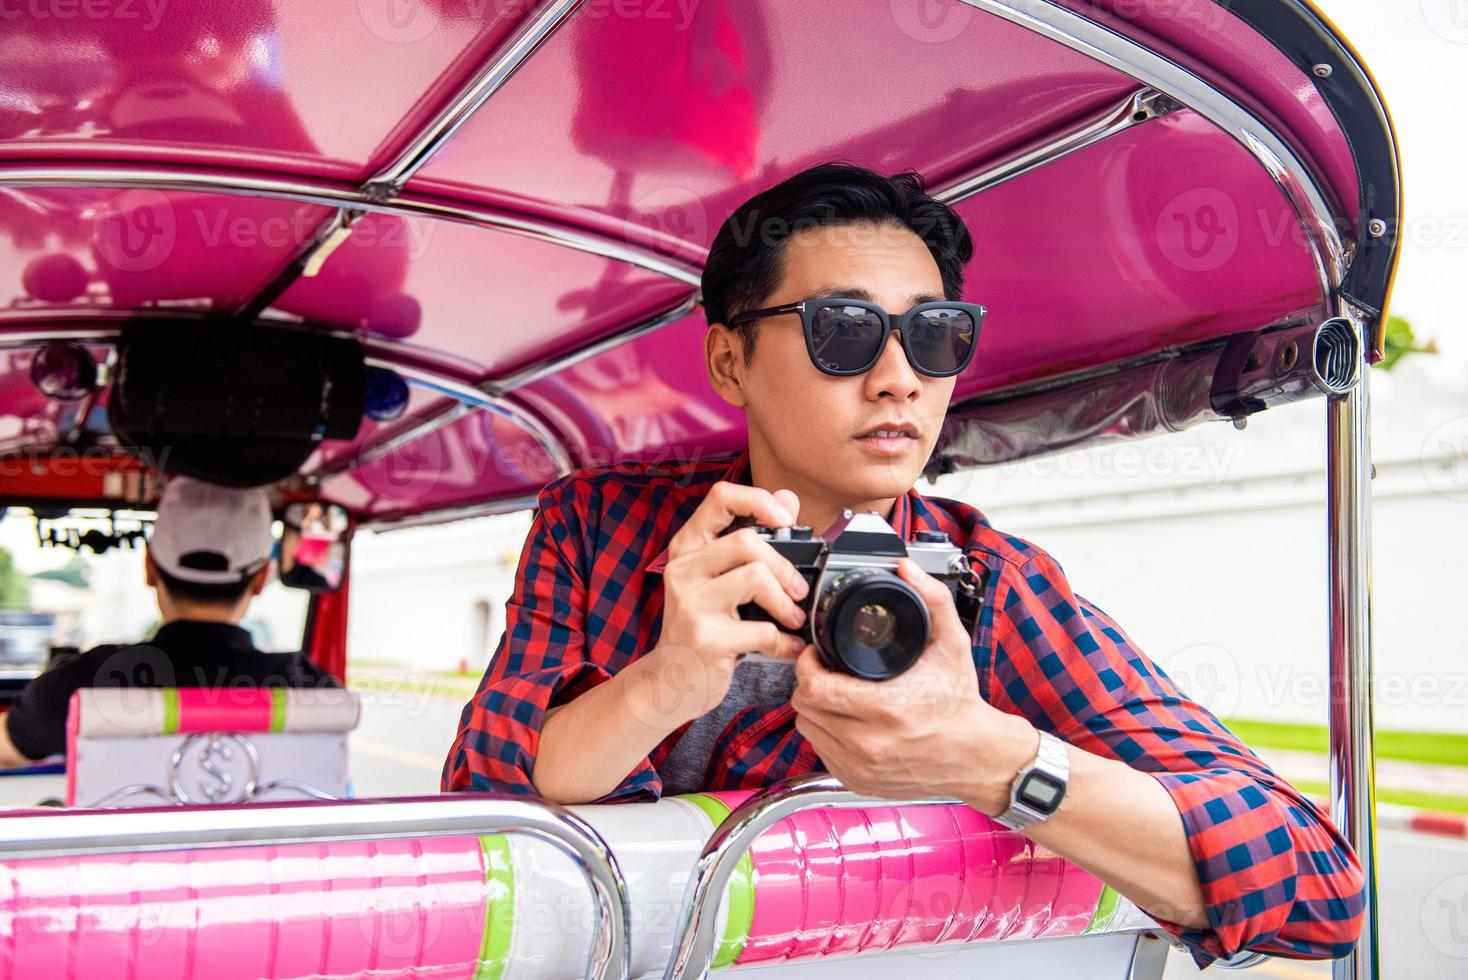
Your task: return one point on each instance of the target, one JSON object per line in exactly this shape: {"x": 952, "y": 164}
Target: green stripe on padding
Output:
{"x": 278, "y": 702}
{"x": 741, "y": 888}
{"x": 170, "y": 711}
{"x": 1105, "y": 907}
{"x": 499, "y": 907}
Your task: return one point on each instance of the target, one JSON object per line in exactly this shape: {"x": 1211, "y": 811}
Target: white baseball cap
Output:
{"x": 209, "y": 534}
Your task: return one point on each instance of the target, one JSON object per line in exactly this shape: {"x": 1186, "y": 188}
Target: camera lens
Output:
{"x": 870, "y": 623}
{"x": 874, "y": 625}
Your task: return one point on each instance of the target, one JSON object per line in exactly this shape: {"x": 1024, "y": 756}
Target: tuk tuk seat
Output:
{"x": 182, "y": 746}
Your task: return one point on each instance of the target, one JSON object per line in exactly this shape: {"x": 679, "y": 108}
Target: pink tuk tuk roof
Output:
{"x": 511, "y": 202}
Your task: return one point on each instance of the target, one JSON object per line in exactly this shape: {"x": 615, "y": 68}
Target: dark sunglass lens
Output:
{"x": 845, "y": 338}
{"x": 940, "y": 339}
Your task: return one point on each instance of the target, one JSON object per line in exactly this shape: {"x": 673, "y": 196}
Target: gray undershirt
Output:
{"x": 754, "y": 682}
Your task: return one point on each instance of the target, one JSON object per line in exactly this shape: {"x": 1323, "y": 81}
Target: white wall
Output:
{"x": 414, "y": 592}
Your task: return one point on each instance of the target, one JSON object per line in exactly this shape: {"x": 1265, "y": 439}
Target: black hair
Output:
{"x": 746, "y": 260}
{"x": 211, "y": 593}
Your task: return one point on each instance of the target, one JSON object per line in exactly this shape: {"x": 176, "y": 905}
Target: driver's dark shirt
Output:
{"x": 184, "y": 653}
{"x": 1276, "y": 874}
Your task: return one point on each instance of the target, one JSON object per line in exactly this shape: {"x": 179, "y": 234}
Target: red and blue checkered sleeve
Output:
{"x": 1277, "y": 876}
{"x": 540, "y": 663}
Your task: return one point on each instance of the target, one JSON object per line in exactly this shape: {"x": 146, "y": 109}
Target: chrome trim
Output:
{"x": 415, "y": 429}
{"x": 336, "y": 195}
{"x": 1149, "y": 957}
{"x": 1352, "y": 749}
{"x": 134, "y": 789}
{"x": 1135, "y": 109}
{"x": 1336, "y": 343}
{"x": 1049, "y": 19}
{"x": 44, "y": 318}
{"x": 500, "y": 386}
{"x": 389, "y": 181}
{"x": 535, "y": 372}
{"x": 300, "y": 787}
{"x": 213, "y": 740}
{"x": 307, "y": 260}
{"x": 476, "y": 398}
{"x": 396, "y": 521}
{"x": 158, "y": 829}
{"x": 17, "y": 339}
{"x": 417, "y": 376}
{"x": 693, "y": 937}
{"x": 1245, "y": 960}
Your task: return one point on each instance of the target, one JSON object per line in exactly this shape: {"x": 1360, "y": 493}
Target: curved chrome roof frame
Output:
{"x": 388, "y": 182}
{"x": 1092, "y": 39}
{"x": 306, "y": 190}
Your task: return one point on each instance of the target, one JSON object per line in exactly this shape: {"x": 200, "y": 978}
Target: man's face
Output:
{"x": 813, "y": 423}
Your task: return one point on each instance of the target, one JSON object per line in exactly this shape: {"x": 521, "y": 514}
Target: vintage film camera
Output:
{"x": 860, "y": 614}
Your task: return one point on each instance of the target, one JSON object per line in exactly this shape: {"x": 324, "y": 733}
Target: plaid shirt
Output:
{"x": 1276, "y": 874}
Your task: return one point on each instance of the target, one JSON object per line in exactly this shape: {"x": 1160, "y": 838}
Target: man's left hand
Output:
{"x": 926, "y": 732}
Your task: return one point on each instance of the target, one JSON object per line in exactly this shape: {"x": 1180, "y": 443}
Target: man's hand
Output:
{"x": 707, "y": 578}
{"x": 926, "y": 732}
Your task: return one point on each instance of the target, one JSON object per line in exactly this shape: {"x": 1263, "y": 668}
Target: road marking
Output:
{"x": 406, "y": 756}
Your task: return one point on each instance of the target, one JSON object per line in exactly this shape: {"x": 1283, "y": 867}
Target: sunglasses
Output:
{"x": 845, "y": 337}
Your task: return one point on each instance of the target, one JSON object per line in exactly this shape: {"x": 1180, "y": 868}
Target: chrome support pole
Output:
{"x": 693, "y": 938}
{"x": 1135, "y": 109}
{"x": 173, "y": 828}
{"x": 1352, "y": 758}
{"x": 537, "y": 29}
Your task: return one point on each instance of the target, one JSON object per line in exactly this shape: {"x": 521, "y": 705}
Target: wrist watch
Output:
{"x": 1039, "y": 787}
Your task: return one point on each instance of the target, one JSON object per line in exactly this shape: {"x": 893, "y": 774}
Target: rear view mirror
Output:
{"x": 313, "y": 547}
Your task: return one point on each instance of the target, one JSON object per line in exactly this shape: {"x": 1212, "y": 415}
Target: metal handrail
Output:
{"x": 693, "y": 946}
{"x": 298, "y": 822}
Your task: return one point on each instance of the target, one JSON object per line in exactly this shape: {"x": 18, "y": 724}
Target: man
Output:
{"x": 207, "y": 558}
{"x": 621, "y": 674}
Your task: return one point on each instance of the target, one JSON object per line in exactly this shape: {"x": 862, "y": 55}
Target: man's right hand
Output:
{"x": 708, "y": 576}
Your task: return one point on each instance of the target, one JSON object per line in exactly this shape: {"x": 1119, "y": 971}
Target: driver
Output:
{"x": 207, "y": 559}
{"x": 835, "y": 326}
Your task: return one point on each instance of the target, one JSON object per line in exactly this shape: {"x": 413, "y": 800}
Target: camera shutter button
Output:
{"x": 932, "y": 537}
{"x": 799, "y": 532}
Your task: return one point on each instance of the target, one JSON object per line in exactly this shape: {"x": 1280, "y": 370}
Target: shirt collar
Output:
{"x": 903, "y": 511}
{"x": 195, "y": 632}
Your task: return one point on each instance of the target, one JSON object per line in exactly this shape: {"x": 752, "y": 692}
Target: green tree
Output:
{"x": 15, "y": 588}
{"x": 74, "y": 573}
{"x": 1401, "y": 341}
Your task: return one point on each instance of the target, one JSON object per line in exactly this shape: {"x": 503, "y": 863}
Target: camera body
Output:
{"x": 861, "y": 616}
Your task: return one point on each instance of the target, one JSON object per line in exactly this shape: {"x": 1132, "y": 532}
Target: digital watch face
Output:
{"x": 1041, "y": 792}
